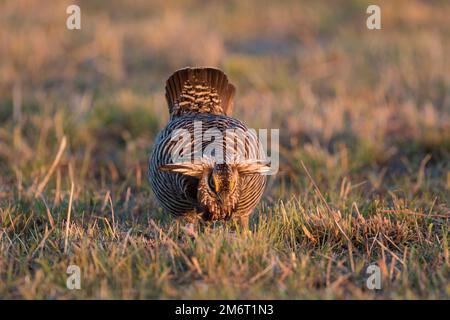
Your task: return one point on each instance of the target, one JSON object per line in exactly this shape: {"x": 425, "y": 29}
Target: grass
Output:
{"x": 364, "y": 120}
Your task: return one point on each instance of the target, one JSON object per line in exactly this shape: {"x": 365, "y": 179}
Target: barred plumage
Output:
{"x": 211, "y": 187}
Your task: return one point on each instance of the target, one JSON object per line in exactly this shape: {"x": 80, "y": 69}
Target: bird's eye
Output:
{"x": 213, "y": 183}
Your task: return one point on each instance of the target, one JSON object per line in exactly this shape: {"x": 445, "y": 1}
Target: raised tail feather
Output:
{"x": 203, "y": 90}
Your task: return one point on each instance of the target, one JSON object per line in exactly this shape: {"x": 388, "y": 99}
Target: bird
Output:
{"x": 212, "y": 181}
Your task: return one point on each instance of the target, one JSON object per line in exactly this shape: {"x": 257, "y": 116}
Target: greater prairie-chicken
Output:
{"x": 208, "y": 187}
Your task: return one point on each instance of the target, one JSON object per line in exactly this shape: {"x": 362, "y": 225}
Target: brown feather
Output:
{"x": 202, "y": 90}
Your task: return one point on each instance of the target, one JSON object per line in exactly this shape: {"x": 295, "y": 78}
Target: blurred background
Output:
{"x": 370, "y": 106}
{"x": 367, "y": 111}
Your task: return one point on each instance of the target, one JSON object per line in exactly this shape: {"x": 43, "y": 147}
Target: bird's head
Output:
{"x": 219, "y": 183}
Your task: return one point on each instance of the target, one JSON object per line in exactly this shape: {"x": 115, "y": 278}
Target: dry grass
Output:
{"x": 367, "y": 112}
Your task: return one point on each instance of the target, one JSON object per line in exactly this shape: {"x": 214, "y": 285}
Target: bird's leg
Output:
{"x": 189, "y": 226}
{"x": 244, "y": 223}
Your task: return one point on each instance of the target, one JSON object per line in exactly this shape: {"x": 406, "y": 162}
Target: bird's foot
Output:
{"x": 190, "y": 230}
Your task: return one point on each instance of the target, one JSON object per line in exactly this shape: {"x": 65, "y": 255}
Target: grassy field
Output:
{"x": 366, "y": 112}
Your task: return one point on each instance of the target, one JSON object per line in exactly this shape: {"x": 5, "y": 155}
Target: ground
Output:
{"x": 364, "y": 119}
